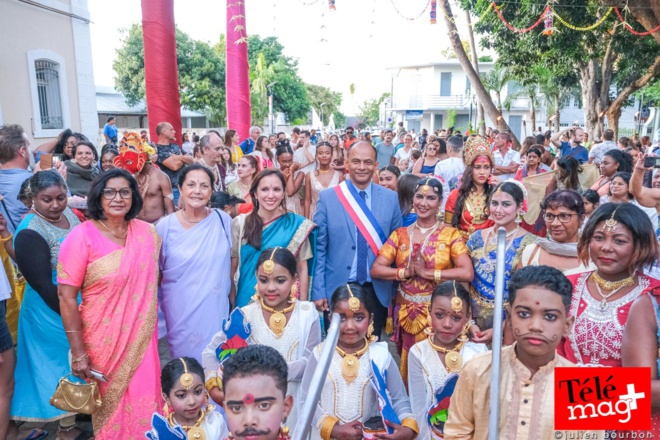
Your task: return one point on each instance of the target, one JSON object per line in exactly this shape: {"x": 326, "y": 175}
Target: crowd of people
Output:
{"x": 236, "y": 255}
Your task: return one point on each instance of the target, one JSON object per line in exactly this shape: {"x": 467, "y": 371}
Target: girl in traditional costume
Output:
{"x": 187, "y": 408}
{"x": 247, "y": 169}
{"x": 269, "y": 225}
{"x": 506, "y": 207}
{"x": 466, "y": 206}
{"x": 362, "y": 377}
{"x": 323, "y": 177}
{"x": 276, "y": 319}
{"x": 423, "y": 253}
{"x": 435, "y": 362}
{"x": 620, "y": 241}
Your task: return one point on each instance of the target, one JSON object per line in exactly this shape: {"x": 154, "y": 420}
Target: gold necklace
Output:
{"x": 113, "y": 232}
{"x": 350, "y": 363}
{"x": 612, "y": 285}
{"x": 453, "y": 358}
{"x": 46, "y": 218}
{"x": 425, "y": 230}
{"x": 193, "y": 432}
{"x": 277, "y": 321}
{"x": 325, "y": 171}
{"x": 476, "y": 206}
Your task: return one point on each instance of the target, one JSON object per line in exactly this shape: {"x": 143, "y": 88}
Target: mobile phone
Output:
{"x": 652, "y": 161}
{"x": 57, "y": 159}
{"x": 99, "y": 376}
{"x": 46, "y": 161}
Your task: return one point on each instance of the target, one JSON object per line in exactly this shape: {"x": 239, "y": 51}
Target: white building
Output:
{"x": 47, "y": 78}
{"x": 422, "y": 96}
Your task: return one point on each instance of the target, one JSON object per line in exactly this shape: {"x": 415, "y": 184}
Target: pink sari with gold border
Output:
{"x": 119, "y": 317}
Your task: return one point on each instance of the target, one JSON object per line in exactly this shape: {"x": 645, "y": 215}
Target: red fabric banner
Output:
{"x": 161, "y": 73}
{"x": 237, "y": 79}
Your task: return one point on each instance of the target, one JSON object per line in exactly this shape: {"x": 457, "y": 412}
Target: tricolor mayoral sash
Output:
{"x": 361, "y": 215}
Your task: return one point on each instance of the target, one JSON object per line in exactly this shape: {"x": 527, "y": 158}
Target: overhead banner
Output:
{"x": 414, "y": 115}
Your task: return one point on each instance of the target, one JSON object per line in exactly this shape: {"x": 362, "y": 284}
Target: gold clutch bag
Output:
{"x": 80, "y": 398}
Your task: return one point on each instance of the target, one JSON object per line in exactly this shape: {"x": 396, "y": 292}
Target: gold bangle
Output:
{"x": 410, "y": 423}
{"x": 401, "y": 274}
{"x": 80, "y": 359}
{"x": 5, "y": 240}
{"x": 211, "y": 383}
{"x": 437, "y": 276}
{"x": 326, "y": 427}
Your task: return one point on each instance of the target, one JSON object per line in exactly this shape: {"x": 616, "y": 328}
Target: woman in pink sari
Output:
{"x": 113, "y": 261}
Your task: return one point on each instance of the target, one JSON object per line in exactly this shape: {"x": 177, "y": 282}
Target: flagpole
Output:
{"x": 493, "y": 421}
{"x": 304, "y": 423}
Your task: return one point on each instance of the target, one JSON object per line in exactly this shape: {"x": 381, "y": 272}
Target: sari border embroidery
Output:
{"x": 102, "y": 267}
{"x": 300, "y": 236}
{"x": 122, "y": 378}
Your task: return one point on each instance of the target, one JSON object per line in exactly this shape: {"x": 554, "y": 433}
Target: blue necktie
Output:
{"x": 361, "y": 252}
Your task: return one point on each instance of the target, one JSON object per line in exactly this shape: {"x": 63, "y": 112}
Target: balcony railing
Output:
{"x": 437, "y": 102}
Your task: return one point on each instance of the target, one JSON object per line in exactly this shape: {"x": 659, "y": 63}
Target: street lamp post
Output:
{"x": 270, "y": 107}
{"x": 322, "y": 123}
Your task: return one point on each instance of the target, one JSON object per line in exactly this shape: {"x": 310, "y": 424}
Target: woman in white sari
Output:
{"x": 195, "y": 263}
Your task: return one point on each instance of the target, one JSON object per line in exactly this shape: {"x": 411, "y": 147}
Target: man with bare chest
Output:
{"x": 156, "y": 192}
{"x": 155, "y": 187}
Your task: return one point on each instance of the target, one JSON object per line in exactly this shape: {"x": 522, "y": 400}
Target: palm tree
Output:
{"x": 260, "y": 77}
{"x": 494, "y": 81}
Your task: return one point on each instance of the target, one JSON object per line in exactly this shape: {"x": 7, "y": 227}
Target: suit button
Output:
{"x": 348, "y": 267}
{"x": 353, "y": 248}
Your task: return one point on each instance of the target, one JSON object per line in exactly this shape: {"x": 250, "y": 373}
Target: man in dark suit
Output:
{"x": 343, "y": 253}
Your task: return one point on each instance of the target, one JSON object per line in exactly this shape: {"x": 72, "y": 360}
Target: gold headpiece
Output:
{"x": 186, "y": 378}
{"x": 474, "y": 147}
{"x": 269, "y": 264}
{"x": 425, "y": 187}
{"x": 610, "y": 224}
{"x": 456, "y": 302}
{"x": 353, "y": 302}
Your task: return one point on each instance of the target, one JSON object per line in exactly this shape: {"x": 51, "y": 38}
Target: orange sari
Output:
{"x": 119, "y": 317}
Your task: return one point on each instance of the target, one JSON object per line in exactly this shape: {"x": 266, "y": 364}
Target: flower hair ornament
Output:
{"x": 132, "y": 157}
{"x": 474, "y": 147}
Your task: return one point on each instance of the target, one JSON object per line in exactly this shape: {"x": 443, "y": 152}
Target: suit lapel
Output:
{"x": 350, "y": 224}
{"x": 376, "y": 207}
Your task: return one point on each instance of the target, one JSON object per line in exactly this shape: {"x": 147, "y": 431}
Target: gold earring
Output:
{"x": 370, "y": 330}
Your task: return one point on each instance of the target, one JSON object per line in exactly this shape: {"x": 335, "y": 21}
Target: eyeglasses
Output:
{"x": 111, "y": 193}
{"x": 564, "y": 217}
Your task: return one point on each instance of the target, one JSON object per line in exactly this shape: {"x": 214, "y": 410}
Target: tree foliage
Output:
{"x": 369, "y": 111}
{"x": 201, "y": 72}
{"x": 599, "y": 58}
{"x": 319, "y": 95}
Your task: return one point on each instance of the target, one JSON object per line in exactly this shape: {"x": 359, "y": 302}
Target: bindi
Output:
{"x": 248, "y": 399}
{"x": 538, "y": 303}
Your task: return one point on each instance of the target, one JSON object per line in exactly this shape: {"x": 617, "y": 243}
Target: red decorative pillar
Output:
{"x": 161, "y": 73}
{"x": 237, "y": 79}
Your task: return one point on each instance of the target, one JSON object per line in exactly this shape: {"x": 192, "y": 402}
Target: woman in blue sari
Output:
{"x": 269, "y": 225}
{"x": 42, "y": 349}
{"x": 506, "y": 207}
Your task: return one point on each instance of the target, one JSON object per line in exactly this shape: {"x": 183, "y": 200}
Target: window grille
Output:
{"x": 48, "y": 91}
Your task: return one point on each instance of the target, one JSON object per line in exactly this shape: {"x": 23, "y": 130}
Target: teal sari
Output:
{"x": 289, "y": 231}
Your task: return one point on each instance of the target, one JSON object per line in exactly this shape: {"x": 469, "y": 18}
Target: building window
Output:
{"x": 445, "y": 84}
{"x": 513, "y": 87}
{"x": 468, "y": 86}
{"x": 48, "y": 91}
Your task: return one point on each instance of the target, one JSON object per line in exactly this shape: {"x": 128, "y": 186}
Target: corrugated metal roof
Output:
{"x": 111, "y": 102}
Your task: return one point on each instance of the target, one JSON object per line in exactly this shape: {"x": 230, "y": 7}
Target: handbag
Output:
{"x": 75, "y": 397}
